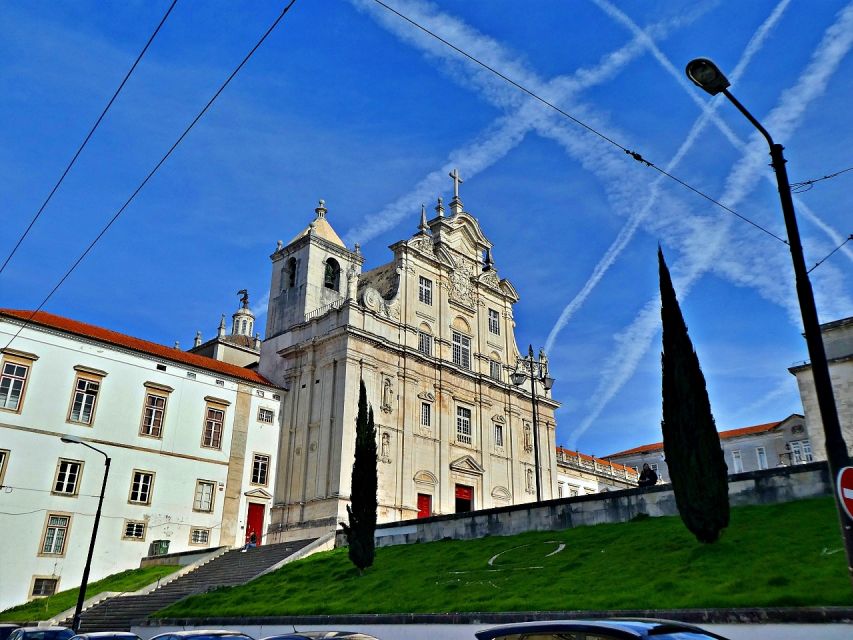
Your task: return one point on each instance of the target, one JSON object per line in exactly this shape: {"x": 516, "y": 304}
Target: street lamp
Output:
{"x": 75, "y": 624}
{"x": 536, "y": 370}
{"x": 706, "y": 75}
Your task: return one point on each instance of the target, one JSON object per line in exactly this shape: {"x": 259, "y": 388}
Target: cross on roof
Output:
{"x": 456, "y": 182}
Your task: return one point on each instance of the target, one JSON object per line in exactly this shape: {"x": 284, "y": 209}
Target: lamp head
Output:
{"x": 518, "y": 378}
{"x": 547, "y": 382}
{"x": 707, "y": 76}
{"x": 71, "y": 439}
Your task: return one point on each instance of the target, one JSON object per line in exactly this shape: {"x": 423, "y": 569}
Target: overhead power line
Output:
{"x": 806, "y": 185}
{"x": 87, "y": 138}
{"x": 634, "y": 154}
{"x": 153, "y": 171}
{"x": 829, "y": 255}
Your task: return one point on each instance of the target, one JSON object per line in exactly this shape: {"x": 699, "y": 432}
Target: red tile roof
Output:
{"x": 601, "y": 461}
{"x": 731, "y": 433}
{"x": 85, "y": 330}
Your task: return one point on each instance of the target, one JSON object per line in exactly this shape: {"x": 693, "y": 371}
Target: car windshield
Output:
{"x": 48, "y": 634}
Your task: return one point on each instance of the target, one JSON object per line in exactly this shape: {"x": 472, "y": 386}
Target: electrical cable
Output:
{"x": 806, "y": 185}
{"x": 154, "y": 170}
{"x": 634, "y": 154}
{"x": 86, "y": 139}
{"x": 820, "y": 262}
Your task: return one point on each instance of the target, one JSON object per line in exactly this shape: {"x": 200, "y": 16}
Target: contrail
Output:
{"x": 636, "y": 338}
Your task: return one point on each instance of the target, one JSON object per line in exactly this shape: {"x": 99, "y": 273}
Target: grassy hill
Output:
{"x": 46, "y": 608}
{"x": 780, "y": 555}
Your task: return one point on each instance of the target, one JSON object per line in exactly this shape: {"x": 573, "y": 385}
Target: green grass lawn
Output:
{"x": 779, "y": 555}
{"x": 46, "y": 608}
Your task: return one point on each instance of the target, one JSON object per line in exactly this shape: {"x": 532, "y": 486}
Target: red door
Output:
{"x": 464, "y": 498}
{"x": 424, "y": 505}
{"x": 255, "y": 521}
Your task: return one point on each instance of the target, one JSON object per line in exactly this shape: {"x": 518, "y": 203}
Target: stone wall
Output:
{"x": 770, "y": 486}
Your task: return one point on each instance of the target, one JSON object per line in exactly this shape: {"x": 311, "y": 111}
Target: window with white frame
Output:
{"x": 4, "y": 461}
{"x": 152, "y": 416}
{"x": 574, "y": 492}
{"x": 425, "y": 343}
{"x": 204, "y": 496}
{"x": 425, "y": 290}
{"x": 426, "y": 414}
{"x": 140, "y": 487}
{"x": 13, "y": 378}
{"x": 494, "y": 322}
{"x": 737, "y": 462}
{"x": 267, "y": 416}
{"x": 499, "y": 434}
{"x": 43, "y": 587}
{"x": 84, "y": 400}
{"x": 55, "y": 534}
{"x": 260, "y": 469}
{"x": 561, "y": 489}
{"x": 461, "y": 350}
{"x": 67, "y": 477}
{"x": 761, "y": 457}
{"x": 801, "y": 451}
{"x": 463, "y": 425}
{"x": 495, "y": 370}
{"x": 213, "y": 422}
{"x": 134, "y": 530}
{"x": 199, "y": 536}
{"x": 653, "y": 467}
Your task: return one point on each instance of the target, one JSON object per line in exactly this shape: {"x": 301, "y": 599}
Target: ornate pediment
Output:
{"x": 258, "y": 494}
{"x": 499, "y": 418}
{"x": 425, "y": 477}
{"x": 467, "y": 464}
{"x": 429, "y": 396}
{"x": 501, "y": 493}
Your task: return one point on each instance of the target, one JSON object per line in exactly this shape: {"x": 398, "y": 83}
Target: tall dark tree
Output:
{"x": 690, "y": 440}
{"x": 362, "y": 510}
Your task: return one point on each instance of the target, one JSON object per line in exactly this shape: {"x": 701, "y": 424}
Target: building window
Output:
{"x": 424, "y": 343}
{"x": 152, "y": 416}
{"x": 67, "y": 477}
{"x": 134, "y": 530}
{"x": 561, "y": 488}
{"x": 463, "y": 425}
{"x": 461, "y": 350}
{"x": 761, "y": 457}
{"x": 55, "y": 534}
{"x": 12, "y": 381}
{"x": 83, "y": 402}
{"x": 204, "y": 496}
{"x": 260, "y": 469}
{"x": 425, "y": 290}
{"x": 499, "y": 434}
{"x": 199, "y": 536}
{"x": 266, "y": 416}
{"x": 332, "y": 278}
{"x": 653, "y": 467}
{"x": 140, "y": 487}
{"x": 4, "y": 458}
{"x": 44, "y": 587}
{"x": 494, "y": 322}
{"x": 495, "y": 370}
{"x": 574, "y": 492}
{"x": 801, "y": 451}
{"x": 291, "y": 273}
{"x": 737, "y": 462}
{"x": 213, "y": 421}
{"x": 426, "y": 414}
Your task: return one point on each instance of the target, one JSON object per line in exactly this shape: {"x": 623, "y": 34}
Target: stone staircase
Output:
{"x": 231, "y": 568}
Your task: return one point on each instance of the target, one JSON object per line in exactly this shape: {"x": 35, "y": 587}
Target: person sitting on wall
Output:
{"x": 648, "y": 477}
{"x": 251, "y": 543}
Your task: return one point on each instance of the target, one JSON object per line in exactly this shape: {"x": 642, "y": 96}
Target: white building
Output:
{"x": 192, "y": 443}
{"x": 579, "y": 474}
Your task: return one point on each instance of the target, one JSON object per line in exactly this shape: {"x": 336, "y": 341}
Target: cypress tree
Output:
{"x": 362, "y": 510}
{"x": 690, "y": 440}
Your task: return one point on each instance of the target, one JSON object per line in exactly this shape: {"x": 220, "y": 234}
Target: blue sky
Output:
{"x": 347, "y": 102}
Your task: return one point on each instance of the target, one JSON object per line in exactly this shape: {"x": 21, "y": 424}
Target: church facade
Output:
{"x": 431, "y": 333}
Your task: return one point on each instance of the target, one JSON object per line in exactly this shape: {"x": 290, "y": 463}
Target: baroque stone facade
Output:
{"x": 431, "y": 333}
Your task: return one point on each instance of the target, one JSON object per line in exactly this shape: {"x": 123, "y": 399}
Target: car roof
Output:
{"x": 107, "y": 634}
{"x": 625, "y": 627}
{"x": 322, "y": 635}
{"x": 201, "y": 632}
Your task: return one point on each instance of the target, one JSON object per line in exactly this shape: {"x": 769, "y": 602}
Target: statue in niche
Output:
{"x": 530, "y": 481}
{"x": 387, "y": 395}
{"x": 528, "y": 437}
{"x": 385, "y": 446}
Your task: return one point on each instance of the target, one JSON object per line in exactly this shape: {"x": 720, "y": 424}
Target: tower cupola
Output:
{"x": 243, "y": 320}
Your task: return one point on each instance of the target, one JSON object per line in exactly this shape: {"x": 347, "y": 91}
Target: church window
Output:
{"x": 495, "y": 370}
{"x": 260, "y": 469}
{"x": 199, "y": 536}
{"x": 333, "y": 274}
{"x": 213, "y": 422}
{"x": 291, "y": 273}
{"x": 425, "y": 343}
{"x": 499, "y": 434}
{"x": 461, "y": 350}
{"x": 55, "y": 533}
{"x": 494, "y": 322}
{"x": 425, "y": 290}
{"x": 266, "y": 416}
{"x": 426, "y": 414}
{"x": 204, "y": 496}
{"x": 134, "y": 530}
{"x": 140, "y": 487}
{"x": 737, "y": 462}
{"x": 12, "y": 381}
{"x": 44, "y": 587}
{"x": 463, "y": 425}
{"x": 152, "y": 415}
{"x": 67, "y": 477}
{"x": 85, "y": 397}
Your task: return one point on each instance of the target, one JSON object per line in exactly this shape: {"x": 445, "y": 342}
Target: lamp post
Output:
{"x": 708, "y": 76}
{"x": 81, "y": 597}
{"x": 538, "y": 370}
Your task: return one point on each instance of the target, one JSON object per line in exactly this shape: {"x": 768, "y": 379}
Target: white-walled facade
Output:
{"x": 192, "y": 444}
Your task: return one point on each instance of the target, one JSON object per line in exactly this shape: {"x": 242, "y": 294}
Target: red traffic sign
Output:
{"x": 845, "y": 490}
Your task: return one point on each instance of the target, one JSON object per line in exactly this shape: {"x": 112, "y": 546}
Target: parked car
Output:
{"x": 323, "y": 635}
{"x": 612, "y": 629}
{"x": 203, "y": 634}
{"x": 6, "y": 629}
{"x": 107, "y": 635}
{"x": 41, "y": 633}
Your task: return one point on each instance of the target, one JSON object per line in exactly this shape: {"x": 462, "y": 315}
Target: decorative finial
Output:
{"x": 221, "y": 331}
{"x": 279, "y": 245}
{"x": 244, "y": 293}
{"x": 357, "y": 248}
{"x": 456, "y": 182}
{"x": 177, "y": 345}
{"x": 487, "y": 260}
{"x": 439, "y": 208}
{"x": 422, "y": 227}
{"x": 197, "y": 341}
{"x": 311, "y": 226}
{"x": 321, "y": 209}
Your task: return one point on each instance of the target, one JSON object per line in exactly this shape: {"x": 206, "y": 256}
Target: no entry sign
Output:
{"x": 845, "y": 490}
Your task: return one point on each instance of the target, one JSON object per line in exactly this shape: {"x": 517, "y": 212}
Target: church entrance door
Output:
{"x": 424, "y": 505}
{"x": 255, "y": 521}
{"x": 464, "y": 498}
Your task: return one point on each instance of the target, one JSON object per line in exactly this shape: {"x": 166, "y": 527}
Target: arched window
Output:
{"x": 243, "y": 327}
{"x": 291, "y": 273}
{"x": 333, "y": 274}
